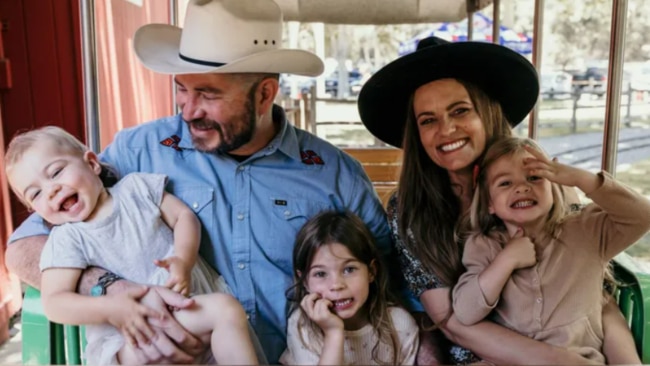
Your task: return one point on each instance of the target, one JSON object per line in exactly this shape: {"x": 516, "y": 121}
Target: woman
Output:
{"x": 443, "y": 104}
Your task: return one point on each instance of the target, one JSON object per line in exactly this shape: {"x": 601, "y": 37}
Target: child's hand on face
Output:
{"x": 130, "y": 317}
{"x": 318, "y": 310}
{"x": 552, "y": 170}
{"x": 520, "y": 250}
{"x": 180, "y": 274}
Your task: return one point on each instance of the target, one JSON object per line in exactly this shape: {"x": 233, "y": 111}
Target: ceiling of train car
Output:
{"x": 378, "y": 11}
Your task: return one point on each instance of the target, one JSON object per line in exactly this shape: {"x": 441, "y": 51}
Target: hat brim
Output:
{"x": 501, "y": 73}
{"x": 157, "y": 47}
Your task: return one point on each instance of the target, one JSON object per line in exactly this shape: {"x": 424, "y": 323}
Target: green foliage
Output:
{"x": 580, "y": 30}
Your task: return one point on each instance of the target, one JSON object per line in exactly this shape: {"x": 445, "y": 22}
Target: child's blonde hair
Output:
{"x": 23, "y": 142}
{"x": 481, "y": 220}
{"x": 484, "y": 223}
{"x": 330, "y": 227}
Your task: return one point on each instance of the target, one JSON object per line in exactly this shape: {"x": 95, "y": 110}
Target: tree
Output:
{"x": 580, "y": 30}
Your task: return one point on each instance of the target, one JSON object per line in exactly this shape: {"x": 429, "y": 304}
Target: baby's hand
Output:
{"x": 130, "y": 317}
{"x": 180, "y": 274}
{"x": 318, "y": 310}
{"x": 520, "y": 251}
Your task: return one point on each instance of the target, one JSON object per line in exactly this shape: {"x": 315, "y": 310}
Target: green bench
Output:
{"x": 47, "y": 343}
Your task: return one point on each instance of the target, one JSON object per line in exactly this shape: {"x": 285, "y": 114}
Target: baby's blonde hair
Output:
{"x": 20, "y": 144}
{"x": 63, "y": 140}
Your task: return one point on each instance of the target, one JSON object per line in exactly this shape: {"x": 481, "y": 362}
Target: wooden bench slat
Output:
{"x": 376, "y": 156}
{"x": 382, "y": 165}
{"x": 382, "y": 173}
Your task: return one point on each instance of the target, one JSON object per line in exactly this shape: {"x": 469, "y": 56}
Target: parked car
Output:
{"x": 303, "y": 83}
{"x": 641, "y": 80}
{"x": 556, "y": 84}
{"x": 332, "y": 83}
{"x": 591, "y": 79}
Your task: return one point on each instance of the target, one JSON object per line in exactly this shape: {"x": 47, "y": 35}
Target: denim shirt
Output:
{"x": 250, "y": 211}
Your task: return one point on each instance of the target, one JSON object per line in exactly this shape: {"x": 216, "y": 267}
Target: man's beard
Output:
{"x": 246, "y": 119}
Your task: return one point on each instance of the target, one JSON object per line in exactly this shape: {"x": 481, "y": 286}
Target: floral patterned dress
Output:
{"x": 419, "y": 279}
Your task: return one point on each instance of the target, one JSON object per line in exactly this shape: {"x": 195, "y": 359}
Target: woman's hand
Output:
{"x": 318, "y": 310}
{"x": 180, "y": 274}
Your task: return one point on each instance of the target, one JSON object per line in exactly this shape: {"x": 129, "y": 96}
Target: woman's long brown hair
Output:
{"x": 429, "y": 210}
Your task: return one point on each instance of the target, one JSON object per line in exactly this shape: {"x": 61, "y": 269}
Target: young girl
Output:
{"x": 346, "y": 315}
{"x": 134, "y": 229}
{"x": 533, "y": 266}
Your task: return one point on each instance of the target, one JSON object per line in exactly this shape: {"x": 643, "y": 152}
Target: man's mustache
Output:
{"x": 203, "y": 124}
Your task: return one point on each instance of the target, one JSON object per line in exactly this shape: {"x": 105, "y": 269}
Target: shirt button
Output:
{"x": 241, "y": 266}
{"x": 241, "y": 168}
{"x": 287, "y": 213}
{"x": 240, "y": 216}
{"x": 539, "y": 300}
{"x": 195, "y": 205}
{"x": 248, "y": 317}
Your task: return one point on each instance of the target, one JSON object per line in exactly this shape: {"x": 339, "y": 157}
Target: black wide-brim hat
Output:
{"x": 503, "y": 74}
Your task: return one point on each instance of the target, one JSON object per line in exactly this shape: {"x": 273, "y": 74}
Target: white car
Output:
{"x": 556, "y": 85}
{"x": 641, "y": 80}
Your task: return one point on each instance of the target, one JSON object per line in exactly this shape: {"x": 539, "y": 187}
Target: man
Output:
{"x": 231, "y": 156}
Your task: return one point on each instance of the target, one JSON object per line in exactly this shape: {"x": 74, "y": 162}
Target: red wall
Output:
{"x": 42, "y": 42}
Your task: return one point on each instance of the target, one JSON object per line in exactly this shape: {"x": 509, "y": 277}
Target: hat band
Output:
{"x": 200, "y": 62}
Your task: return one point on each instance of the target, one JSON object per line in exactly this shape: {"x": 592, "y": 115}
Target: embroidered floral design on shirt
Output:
{"x": 172, "y": 141}
{"x": 309, "y": 157}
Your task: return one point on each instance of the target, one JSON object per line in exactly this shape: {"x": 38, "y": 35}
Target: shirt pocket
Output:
{"x": 288, "y": 215}
{"x": 578, "y": 333}
{"x": 200, "y": 199}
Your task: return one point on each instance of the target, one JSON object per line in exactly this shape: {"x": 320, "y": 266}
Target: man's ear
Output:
{"x": 267, "y": 89}
{"x": 92, "y": 160}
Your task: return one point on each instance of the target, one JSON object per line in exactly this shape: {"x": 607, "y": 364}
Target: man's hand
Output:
{"x": 130, "y": 317}
{"x": 171, "y": 342}
{"x": 180, "y": 274}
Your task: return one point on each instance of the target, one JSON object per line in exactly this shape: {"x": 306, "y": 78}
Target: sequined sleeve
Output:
{"x": 418, "y": 278}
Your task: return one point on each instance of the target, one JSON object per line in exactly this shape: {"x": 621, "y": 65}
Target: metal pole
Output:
{"x": 496, "y": 22}
{"x": 628, "y": 111}
{"x": 89, "y": 74}
{"x": 470, "y": 25}
{"x": 173, "y": 20}
{"x": 538, "y": 25}
{"x": 614, "y": 78}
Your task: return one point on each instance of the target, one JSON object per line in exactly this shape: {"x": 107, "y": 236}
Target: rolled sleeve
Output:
{"x": 32, "y": 226}
{"x": 470, "y": 305}
{"x": 414, "y": 275}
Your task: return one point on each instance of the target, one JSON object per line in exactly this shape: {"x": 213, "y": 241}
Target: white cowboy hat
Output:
{"x": 223, "y": 36}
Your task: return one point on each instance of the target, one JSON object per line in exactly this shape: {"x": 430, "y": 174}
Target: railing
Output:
{"x": 560, "y": 112}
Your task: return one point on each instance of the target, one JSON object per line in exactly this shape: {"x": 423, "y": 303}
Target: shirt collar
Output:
{"x": 186, "y": 137}
{"x": 286, "y": 140}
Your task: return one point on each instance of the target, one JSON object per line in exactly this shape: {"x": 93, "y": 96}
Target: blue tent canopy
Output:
{"x": 457, "y": 32}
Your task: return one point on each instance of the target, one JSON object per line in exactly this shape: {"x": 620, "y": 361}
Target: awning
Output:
{"x": 378, "y": 11}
